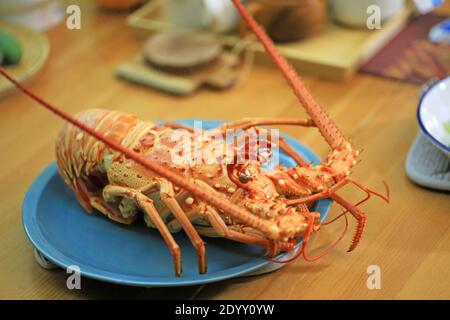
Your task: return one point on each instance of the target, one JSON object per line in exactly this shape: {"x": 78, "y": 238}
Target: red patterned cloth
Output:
{"x": 410, "y": 56}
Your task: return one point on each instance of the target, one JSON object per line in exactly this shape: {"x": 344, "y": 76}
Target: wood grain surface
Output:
{"x": 408, "y": 239}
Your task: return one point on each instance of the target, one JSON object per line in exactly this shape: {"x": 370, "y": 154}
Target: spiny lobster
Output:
{"x": 118, "y": 164}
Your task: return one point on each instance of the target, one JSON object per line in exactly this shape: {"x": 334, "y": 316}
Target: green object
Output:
{"x": 10, "y": 49}
{"x": 447, "y": 127}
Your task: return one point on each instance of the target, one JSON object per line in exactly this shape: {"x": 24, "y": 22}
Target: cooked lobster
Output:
{"x": 122, "y": 167}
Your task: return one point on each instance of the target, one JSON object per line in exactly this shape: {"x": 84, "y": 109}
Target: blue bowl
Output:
{"x": 131, "y": 255}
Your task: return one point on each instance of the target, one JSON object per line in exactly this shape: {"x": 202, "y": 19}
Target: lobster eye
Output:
{"x": 245, "y": 176}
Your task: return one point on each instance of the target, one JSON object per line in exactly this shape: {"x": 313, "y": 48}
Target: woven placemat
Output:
{"x": 428, "y": 166}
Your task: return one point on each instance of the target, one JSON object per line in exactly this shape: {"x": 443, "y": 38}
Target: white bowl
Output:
{"x": 433, "y": 114}
{"x": 354, "y": 12}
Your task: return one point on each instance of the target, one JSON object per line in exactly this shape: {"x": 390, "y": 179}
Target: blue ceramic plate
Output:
{"x": 132, "y": 255}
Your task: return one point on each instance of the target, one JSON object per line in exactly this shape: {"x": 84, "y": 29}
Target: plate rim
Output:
{"x": 35, "y": 235}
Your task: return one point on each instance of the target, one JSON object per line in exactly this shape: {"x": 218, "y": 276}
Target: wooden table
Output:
{"x": 408, "y": 239}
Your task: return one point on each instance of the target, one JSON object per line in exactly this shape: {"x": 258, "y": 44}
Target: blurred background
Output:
{"x": 399, "y": 39}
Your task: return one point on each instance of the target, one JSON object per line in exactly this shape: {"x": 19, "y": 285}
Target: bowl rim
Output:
{"x": 419, "y": 119}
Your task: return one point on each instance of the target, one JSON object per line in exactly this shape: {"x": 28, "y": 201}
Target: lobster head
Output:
{"x": 266, "y": 194}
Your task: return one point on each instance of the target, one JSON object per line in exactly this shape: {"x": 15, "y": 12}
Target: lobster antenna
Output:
{"x": 213, "y": 200}
{"x": 327, "y": 128}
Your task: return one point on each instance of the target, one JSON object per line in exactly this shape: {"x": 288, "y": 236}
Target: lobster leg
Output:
{"x": 320, "y": 195}
{"x": 82, "y": 194}
{"x": 111, "y": 213}
{"x": 254, "y": 122}
{"x": 146, "y": 204}
{"x": 174, "y": 125}
{"x": 168, "y": 197}
{"x": 359, "y": 215}
{"x": 329, "y": 192}
{"x": 174, "y": 225}
{"x": 248, "y": 123}
{"x": 220, "y": 229}
{"x": 292, "y": 153}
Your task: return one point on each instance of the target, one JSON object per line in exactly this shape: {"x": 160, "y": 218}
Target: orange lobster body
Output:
{"x": 88, "y": 166}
